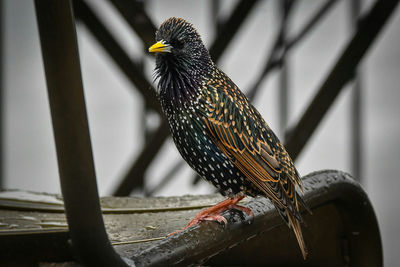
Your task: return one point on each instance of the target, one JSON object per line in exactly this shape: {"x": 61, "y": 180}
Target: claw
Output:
{"x": 214, "y": 213}
{"x": 246, "y": 210}
{"x": 216, "y": 217}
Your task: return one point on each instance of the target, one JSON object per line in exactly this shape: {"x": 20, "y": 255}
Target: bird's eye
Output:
{"x": 178, "y": 44}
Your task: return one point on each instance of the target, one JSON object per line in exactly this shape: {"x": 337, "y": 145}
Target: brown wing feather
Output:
{"x": 240, "y": 132}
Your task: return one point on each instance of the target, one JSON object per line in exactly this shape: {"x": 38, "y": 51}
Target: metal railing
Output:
{"x": 58, "y": 41}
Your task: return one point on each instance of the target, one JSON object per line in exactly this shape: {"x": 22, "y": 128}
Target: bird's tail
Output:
{"x": 293, "y": 222}
{"x": 295, "y": 225}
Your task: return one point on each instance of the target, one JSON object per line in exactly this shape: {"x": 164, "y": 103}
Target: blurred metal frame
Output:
{"x": 342, "y": 72}
{"x": 285, "y": 8}
{"x": 129, "y": 68}
{"x": 58, "y": 41}
{"x": 134, "y": 14}
{"x": 276, "y": 56}
{"x": 134, "y": 176}
{"x": 356, "y": 121}
{"x": 297, "y": 136}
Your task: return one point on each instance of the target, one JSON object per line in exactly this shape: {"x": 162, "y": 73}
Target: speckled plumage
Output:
{"x": 217, "y": 130}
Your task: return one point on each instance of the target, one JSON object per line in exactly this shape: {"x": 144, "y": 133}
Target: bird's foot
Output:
{"x": 200, "y": 218}
{"x": 214, "y": 213}
{"x": 243, "y": 209}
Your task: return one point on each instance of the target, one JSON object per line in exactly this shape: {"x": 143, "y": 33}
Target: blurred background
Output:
{"x": 359, "y": 134}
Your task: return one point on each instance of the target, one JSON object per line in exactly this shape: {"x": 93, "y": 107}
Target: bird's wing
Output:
{"x": 243, "y": 136}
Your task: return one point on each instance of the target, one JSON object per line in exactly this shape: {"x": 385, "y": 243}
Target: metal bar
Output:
{"x": 284, "y": 9}
{"x": 312, "y": 22}
{"x": 275, "y": 56}
{"x": 216, "y": 22}
{"x": 71, "y": 131}
{"x": 230, "y": 27}
{"x": 134, "y": 177}
{"x": 356, "y": 105}
{"x": 228, "y": 31}
{"x": 283, "y": 99}
{"x": 277, "y": 51}
{"x": 1, "y": 98}
{"x": 134, "y": 14}
{"x": 341, "y": 73}
{"x": 166, "y": 179}
{"x": 84, "y": 13}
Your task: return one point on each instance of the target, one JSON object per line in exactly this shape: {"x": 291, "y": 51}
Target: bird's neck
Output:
{"x": 180, "y": 85}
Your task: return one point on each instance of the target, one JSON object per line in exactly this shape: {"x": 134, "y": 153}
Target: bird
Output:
{"x": 218, "y": 132}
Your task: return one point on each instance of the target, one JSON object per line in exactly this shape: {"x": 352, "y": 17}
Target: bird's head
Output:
{"x": 182, "y": 60}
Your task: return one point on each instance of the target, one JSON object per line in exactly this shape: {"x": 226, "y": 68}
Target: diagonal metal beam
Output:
{"x": 276, "y": 54}
{"x": 84, "y": 13}
{"x": 171, "y": 174}
{"x": 140, "y": 22}
{"x": 133, "y": 12}
{"x": 343, "y": 71}
{"x": 230, "y": 28}
{"x": 134, "y": 177}
{"x": 317, "y": 16}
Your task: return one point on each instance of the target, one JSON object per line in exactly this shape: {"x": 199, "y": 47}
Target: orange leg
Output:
{"x": 214, "y": 213}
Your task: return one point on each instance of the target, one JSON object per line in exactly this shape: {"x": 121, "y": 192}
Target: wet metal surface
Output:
{"x": 132, "y": 223}
{"x": 342, "y": 229}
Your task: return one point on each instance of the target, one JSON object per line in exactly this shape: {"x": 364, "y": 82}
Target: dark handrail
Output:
{"x": 342, "y": 231}
{"x": 71, "y": 131}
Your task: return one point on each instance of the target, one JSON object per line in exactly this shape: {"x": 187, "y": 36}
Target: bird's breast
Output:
{"x": 195, "y": 145}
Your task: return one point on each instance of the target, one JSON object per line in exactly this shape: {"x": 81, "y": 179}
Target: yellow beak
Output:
{"x": 160, "y": 46}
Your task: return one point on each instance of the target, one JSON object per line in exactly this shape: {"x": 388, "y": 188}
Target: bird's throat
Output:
{"x": 177, "y": 85}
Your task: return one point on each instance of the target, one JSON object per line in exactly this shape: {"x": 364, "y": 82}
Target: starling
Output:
{"x": 218, "y": 132}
